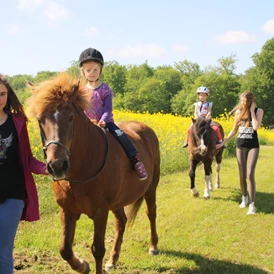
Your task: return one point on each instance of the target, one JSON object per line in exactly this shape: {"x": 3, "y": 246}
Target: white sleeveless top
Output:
{"x": 203, "y": 108}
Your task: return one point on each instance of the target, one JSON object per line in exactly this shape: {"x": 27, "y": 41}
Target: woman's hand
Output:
{"x": 219, "y": 145}
{"x": 252, "y": 107}
{"x": 46, "y": 172}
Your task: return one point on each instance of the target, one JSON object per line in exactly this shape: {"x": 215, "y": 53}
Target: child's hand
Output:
{"x": 102, "y": 123}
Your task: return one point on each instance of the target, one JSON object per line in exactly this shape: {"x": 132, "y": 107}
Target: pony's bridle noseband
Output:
{"x": 46, "y": 144}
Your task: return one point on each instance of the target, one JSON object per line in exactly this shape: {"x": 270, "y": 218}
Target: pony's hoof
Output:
{"x": 86, "y": 267}
{"x": 217, "y": 186}
{"x": 206, "y": 197}
{"x": 194, "y": 192}
{"x": 109, "y": 267}
{"x": 153, "y": 251}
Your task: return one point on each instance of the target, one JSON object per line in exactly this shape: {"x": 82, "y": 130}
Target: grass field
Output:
{"x": 195, "y": 235}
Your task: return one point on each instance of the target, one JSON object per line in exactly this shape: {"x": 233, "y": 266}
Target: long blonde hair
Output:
{"x": 244, "y": 111}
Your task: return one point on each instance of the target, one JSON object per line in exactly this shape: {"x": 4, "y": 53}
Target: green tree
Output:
{"x": 223, "y": 83}
{"x": 19, "y": 82}
{"x": 44, "y": 75}
{"x": 153, "y": 96}
{"x": 74, "y": 69}
{"x": 136, "y": 76}
{"x": 115, "y": 76}
{"x": 182, "y": 102}
{"x": 260, "y": 80}
{"x": 172, "y": 81}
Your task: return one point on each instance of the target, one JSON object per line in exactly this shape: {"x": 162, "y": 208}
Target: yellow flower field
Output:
{"x": 171, "y": 131}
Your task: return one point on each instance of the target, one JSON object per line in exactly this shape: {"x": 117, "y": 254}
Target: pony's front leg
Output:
{"x": 208, "y": 179}
{"x": 68, "y": 221}
{"x": 120, "y": 224}
{"x": 98, "y": 245}
{"x": 191, "y": 173}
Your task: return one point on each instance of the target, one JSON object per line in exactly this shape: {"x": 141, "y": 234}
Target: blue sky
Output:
{"x": 39, "y": 35}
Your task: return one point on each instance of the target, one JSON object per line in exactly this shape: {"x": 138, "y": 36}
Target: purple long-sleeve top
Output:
{"x": 100, "y": 104}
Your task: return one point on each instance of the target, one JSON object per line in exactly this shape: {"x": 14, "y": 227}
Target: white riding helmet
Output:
{"x": 202, "y": 90}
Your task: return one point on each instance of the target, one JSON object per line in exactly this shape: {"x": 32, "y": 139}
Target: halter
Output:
{"x": 46, "y": 144}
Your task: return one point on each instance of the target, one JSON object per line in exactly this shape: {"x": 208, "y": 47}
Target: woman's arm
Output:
{"x": 256, "y": 117}
{"x": 232, "y": 133}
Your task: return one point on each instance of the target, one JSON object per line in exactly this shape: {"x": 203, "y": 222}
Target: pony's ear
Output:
{"x": 30, "y": 85}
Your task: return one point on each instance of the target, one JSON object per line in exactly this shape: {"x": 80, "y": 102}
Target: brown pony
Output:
{"x": 201, "y": 148}
{"x": 90, "y": 170}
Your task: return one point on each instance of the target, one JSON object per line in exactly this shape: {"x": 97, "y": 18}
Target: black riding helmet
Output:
{"x": 91, "y": 54}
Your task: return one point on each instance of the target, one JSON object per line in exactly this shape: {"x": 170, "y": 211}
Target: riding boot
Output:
{"x": 185, "y": 145}
{"x": 139, "y": 167}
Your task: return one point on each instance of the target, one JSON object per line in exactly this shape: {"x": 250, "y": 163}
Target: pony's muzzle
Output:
{"x": 58, "y": 168}
{"x": 203, "y": 149}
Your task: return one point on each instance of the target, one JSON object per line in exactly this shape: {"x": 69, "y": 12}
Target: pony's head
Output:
{"x": 56, "y": 103}
{"x": 202, "y": 135}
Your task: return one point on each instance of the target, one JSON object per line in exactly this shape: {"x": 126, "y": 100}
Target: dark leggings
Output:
{"x": 122, "y": 138}
{"x": 247, "y": 160}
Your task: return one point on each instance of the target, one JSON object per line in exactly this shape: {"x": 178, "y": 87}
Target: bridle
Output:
{"x": 208, "y": 139}
{"x": 58, "y": 143}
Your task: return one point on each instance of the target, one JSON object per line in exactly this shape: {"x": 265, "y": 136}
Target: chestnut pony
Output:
{"x": 90, "y": 170}
{"x": 201, "y": 148}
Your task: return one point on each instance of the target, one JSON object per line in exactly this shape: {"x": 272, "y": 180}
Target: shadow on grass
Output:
{"x": 206, "y": 265}
{"x": 263, "y": 203}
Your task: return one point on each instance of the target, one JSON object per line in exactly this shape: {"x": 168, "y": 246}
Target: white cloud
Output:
{"x": 90, "y": 32}
{"x": 268, "y": 27}
{"x": 55, "y": 12}
{"x": 28, "y": 4}
{"x": 235, "y": 37}
{"x": 15, "y": 28}
{"x": 180, "y": 48}
{"x": 145, "y": 50}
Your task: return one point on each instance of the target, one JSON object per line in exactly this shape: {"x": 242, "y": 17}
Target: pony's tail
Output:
{"x": 132, "y": 210}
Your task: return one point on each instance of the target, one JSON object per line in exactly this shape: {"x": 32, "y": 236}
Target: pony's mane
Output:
{"x": 60, "y": 90}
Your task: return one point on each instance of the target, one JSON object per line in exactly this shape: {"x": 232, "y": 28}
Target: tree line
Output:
{"x": 172, "y": 89}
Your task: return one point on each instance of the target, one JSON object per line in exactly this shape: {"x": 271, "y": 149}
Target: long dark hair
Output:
{"x": 13, "y": 104}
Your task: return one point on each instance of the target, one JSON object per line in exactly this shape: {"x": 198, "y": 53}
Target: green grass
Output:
{"x": 195, "y": 235}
